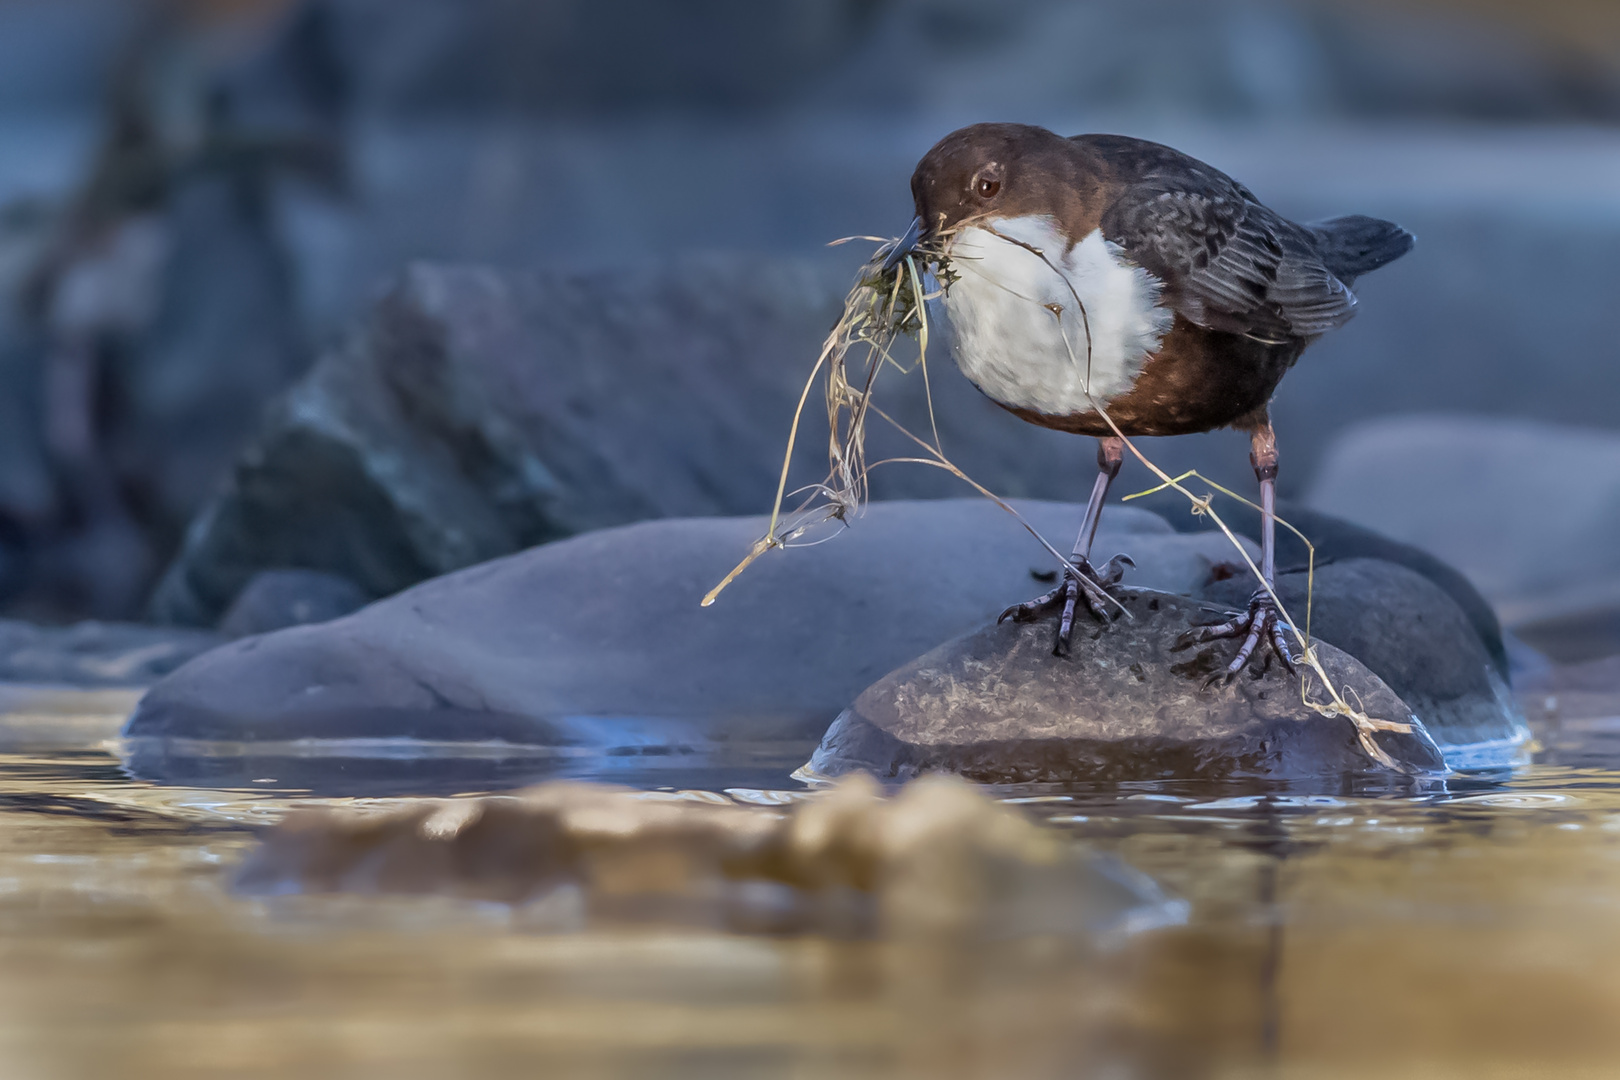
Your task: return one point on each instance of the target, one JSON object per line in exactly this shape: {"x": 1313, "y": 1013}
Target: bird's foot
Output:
{"x": 1089, "y": 586}
{"x": 1259, "y": 624}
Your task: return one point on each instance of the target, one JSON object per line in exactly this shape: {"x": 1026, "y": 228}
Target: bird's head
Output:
{"x": 985, "y": 172}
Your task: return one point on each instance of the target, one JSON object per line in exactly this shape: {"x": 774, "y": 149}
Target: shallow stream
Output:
{"x": 1467, "y": 929}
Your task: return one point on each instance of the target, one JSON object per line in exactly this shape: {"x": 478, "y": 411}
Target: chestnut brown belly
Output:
{"x": 1199, "y": 380}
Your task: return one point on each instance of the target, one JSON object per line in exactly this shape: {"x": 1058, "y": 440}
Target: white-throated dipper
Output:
{"x": 1101, "y": 273}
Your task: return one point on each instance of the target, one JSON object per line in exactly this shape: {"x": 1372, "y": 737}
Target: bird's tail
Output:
{"x": 1356, "y": 245}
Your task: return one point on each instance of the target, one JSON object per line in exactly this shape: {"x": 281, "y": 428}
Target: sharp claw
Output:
{"x": 1113, "y": 571}
{"x": 1029, "y": 608}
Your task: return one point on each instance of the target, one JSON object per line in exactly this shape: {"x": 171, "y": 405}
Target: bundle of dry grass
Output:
{"x": 887, "y": 302}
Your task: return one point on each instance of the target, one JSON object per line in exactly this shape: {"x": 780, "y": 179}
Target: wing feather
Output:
{"x": 1228, "y": 263}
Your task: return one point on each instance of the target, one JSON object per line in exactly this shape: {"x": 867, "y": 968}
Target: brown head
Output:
{"x": 1003, "y": 171}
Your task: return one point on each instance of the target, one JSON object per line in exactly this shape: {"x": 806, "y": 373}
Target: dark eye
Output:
{"x": 987, "y": 187}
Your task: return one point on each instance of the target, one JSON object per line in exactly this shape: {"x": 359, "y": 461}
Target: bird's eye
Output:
{"x": 987, "y": 187}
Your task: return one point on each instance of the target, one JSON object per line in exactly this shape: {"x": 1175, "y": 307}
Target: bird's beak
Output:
{"x": 903, "y": 246}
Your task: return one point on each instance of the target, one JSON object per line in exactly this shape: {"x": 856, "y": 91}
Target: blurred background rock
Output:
{"x": 198, "y": 199}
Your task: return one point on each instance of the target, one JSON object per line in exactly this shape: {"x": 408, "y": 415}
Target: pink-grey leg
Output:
{"x": 1091, "y": 583}
{"x": 1260, "y": 622}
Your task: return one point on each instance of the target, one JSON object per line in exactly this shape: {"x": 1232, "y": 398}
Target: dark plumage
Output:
{"x": 1234, "y": 294}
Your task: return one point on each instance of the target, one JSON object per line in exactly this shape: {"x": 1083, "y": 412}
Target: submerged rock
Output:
{"x": 937, "y": 859}
{"x": 1129, "y": 703}
{"x": 598, "y": 642}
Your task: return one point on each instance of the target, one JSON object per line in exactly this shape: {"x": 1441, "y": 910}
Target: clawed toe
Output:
{"x": 1259, "y": 625}
{"x": 1089, "y": 587}
{"x": 1030, "y": 610}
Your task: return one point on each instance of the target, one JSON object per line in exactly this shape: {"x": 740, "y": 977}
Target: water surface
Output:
{"x": 1469, "y": 929}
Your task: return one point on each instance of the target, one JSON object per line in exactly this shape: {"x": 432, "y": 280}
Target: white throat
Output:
{"x": 1020, "y": 317}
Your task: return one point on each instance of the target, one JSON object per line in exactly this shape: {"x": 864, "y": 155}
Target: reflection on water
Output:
{"x": 1472, "y": 931}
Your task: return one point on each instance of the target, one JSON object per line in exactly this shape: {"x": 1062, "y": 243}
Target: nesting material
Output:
{"x": 887, "y": 302}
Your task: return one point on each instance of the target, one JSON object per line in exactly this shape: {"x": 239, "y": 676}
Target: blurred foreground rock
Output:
{"x": 1129, "y": 703}
{"x": 937, "y": 859}
{"x": 1526, "y": 510}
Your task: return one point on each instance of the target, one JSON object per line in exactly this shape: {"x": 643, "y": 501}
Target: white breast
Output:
{"x": 1016, "y": 315}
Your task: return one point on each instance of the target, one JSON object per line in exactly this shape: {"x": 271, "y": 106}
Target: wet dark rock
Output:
{"x": 1129, "y": 703}
{"x": 276, "y": 599}
{"x": 95, "y": 654}
{"x": 1412, "y": 634}
{"x": 598, "y": 642}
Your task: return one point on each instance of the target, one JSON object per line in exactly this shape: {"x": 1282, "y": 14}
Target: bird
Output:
{"x": 1114, "y": 287}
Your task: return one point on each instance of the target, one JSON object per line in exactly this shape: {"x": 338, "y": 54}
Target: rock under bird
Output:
{"x": 1110, "y": 286}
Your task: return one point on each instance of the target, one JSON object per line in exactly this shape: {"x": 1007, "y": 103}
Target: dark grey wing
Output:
{"x": 1226, "y": 261}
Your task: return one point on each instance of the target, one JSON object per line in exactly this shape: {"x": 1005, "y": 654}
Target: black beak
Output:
{"x": 903, "y": 246}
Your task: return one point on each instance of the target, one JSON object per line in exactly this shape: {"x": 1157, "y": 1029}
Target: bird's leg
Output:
{"x": 1090, "y": 583}
{"x": 1260, "y": 623}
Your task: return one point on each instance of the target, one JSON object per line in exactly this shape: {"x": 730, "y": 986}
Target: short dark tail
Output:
{"x": 1356, "y": 245}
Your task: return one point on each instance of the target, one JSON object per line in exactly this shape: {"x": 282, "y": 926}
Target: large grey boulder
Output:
{"x": 598, "y": 642}
{"x": 478, "y": 413}
{"x": 1129, "y": 703}
{"x": 597, "y": 645}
